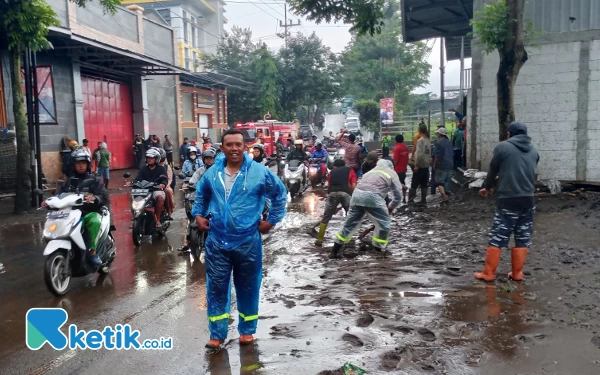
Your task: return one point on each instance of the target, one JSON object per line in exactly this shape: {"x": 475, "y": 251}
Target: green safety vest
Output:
{"x": 387, "y": 139}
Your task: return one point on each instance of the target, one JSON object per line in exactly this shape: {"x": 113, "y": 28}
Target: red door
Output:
{"x": 108, "y": 117}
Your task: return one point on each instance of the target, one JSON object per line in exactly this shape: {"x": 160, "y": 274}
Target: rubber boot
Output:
{"x": 404, "y": 189}
{"x": 491, "y": 263}
{"x": 424, "y": 195}
{"x": 335, "y": 252}
{"x": 412, "y": 193}
{"x": 321, "y": 236}
{"x": 214, "y": 344}
{"x": 518, "y": 256}
{"x": 246, "y": 339}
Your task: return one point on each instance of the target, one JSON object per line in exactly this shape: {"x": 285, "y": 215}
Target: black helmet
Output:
{"x": 80, "y": 155}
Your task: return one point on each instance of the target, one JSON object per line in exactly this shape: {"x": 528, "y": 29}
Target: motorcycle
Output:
{"x": 315, "y": 175}
{"x": 331, "y": 157}
{"x": 295, "y": 177}
{"x": 66, "y": 248}
{"x": 142, "y": 207}
{"x": 196, "y": 238}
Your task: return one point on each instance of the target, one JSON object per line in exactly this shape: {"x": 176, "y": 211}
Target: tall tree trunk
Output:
{"x": 512, "y": 58}
{"x": 23, "y": 183}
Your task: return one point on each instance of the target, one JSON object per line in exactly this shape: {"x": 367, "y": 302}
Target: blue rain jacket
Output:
{"x": 235, "y": 221}
{"x": 316, "y": 154}
{"x": 188, "y": 166}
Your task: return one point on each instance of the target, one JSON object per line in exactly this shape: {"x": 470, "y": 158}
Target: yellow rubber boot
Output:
{"x": 321, "y": 236}
{"x": 492, "y": 259}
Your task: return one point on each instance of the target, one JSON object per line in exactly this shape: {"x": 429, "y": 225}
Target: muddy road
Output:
{"x": 414, "y": 309}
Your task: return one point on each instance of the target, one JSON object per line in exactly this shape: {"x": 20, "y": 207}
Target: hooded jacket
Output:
{"x": 234, "y": 221}
{"x": 375, "y": 185}
{"x": 514, "y": 164}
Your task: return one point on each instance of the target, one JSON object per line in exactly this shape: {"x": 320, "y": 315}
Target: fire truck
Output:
{"x": 269, "y": 131}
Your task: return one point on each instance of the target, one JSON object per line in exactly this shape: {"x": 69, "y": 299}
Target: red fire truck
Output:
{"x": 269, "y": 131}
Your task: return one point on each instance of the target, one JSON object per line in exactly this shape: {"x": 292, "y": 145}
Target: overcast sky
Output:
{"x": 263, "y": 18}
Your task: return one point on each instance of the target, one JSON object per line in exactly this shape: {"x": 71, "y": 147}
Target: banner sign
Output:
{"x": 387, "y": 111}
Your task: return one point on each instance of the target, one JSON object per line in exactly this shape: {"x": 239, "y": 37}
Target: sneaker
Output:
{"x": 95, "y": 260}
{"x": 184, "y": 249}
{"x": 169, "y": 218}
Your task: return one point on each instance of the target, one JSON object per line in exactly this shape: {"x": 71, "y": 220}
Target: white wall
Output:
{"x": 546, "y": 100}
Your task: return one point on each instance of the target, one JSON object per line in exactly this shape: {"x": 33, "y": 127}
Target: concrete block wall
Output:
{"x": 548, "y": 98}
{"x": 162, "y": 107}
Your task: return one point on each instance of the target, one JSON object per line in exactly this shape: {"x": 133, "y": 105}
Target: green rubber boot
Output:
{"x": 321, "y": 237}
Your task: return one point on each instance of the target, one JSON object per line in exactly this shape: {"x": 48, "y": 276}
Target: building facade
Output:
{"x": 557, "y": 93}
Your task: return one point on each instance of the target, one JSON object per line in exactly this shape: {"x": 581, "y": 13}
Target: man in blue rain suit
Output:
{"x": 233, "y": 194}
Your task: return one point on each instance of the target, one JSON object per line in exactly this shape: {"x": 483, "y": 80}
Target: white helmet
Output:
{"x": 192, "y": 149}
{"x": 153, "y": 153}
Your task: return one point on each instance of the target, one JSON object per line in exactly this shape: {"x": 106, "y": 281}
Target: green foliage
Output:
{"x": 382, "y": 65}
{"x": 265, "y": 76}
{"x": 365, "y": 15}
{"x": 369, "y": 114}
{"x": 26, "y": 23}
{"x": 490, "y": 26}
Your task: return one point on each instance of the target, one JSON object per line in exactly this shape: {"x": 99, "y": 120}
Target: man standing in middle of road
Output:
{"x": 385, "y": 145}
{"x": 234, "y": 192}
{"x": 352, "y": 151}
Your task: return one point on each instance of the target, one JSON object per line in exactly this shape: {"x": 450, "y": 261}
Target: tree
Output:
{"x": 235, "y": 56}
{"x": 309, "y": 75}
{"x": 500, "y": 26}
{"x": 25, "y": 24}
{"x": 364, "y": 15}
{"x": 369, "y": 114}
{"x": 265, "y": 76}
{"x": 379, "y": 66}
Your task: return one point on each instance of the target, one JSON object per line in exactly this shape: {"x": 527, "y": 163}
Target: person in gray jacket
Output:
{"x": 514, "y": 164}
{"x": 369, "y": 198}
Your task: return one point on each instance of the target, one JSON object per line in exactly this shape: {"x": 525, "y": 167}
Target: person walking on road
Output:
{"x": 341, "y": 181}
{"x": 352, "y": 151}
{"x": 369, "y": 199}
{"x": 233, "y": 192}
{"x": 401, "y": 163}
{"x": 183, "y": 151}
{"x": 514, "y": 163}
{"x": 168, "y": 147}
{"x": 443, "y": 162}
{"x": 103, "y": 158}
{"x": 385, "y": 145}
{"x": 421, "y": 169}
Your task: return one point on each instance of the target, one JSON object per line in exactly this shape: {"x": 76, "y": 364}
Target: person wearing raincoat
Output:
{"x": 369, "y": 198}
{"x": 232, "y": 193}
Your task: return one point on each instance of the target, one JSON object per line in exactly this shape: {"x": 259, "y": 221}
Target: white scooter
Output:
{"x": 66, "y": 249}
{"x": 295, "y": 177}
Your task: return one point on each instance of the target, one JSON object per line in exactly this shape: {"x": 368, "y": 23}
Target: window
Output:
{"x": 187, "y": 99}
{"x": 196, "y": 42}
{"x": 194, "y": 61}
{"x": 165, "y": 14}
{"x": 45, "y": 90}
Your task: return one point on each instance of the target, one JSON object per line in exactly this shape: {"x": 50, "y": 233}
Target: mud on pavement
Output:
{"x": 417, "y": 308}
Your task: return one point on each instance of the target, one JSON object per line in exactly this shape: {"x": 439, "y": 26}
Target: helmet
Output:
{"x": 163, "y": 154}
{"x": 298, "y": 142}
{"x": 192, "y": 149}
{"x": 153, "y": 153}
{"x": 359, "y": 139}
{"x": 318, "y": 144}
{"x": 259, "y": 146}
{"x": 80, "y": 155}
{"x": 209, "y": 153}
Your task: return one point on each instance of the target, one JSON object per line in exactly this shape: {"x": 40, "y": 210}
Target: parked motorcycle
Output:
{"x": 66, "y": 248}
{"x": 142, "y": 207}
{"x": 195, "y": 237}
{"x": 296, "y": 179}
{"x": 315, "y": 175}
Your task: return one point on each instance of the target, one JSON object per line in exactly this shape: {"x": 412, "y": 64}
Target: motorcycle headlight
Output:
{"x": 138, "y": 204}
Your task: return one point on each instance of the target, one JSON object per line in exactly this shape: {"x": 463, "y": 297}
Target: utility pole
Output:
{"x": 442, "y": 88}
{"x": 287, "y": 25}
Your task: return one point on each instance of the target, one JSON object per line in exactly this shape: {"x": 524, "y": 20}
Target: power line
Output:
{"x": 272, "y": 8}
{"x": 264, "y": 11}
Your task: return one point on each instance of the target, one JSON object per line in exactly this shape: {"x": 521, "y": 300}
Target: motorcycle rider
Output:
{"x": 208, "y": 158}
{"x": 169, "y": 200}
{"x": 192, "y": 163}
{"x": 320, "y": 153}
{"x": 96, "y": 196}
{"x": 259, "y": 154}
{"x": 298, "y": 152}
{"x": 153, "y": 172}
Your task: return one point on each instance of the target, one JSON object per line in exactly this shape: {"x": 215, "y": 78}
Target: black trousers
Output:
{"x": 385, "y": 152}
{"x": 420, "y": 178}
{"x": 170, "y": 157}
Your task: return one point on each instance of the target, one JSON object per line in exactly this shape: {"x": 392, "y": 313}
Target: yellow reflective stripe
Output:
{"x": 218, "y": 317}
{"x": 342, "y": 238}
{"x": 254, "y": 366}
{"x": 249, "y": 318}
{"x": 384, "y": 172}
{"x": 380, "y": 240}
